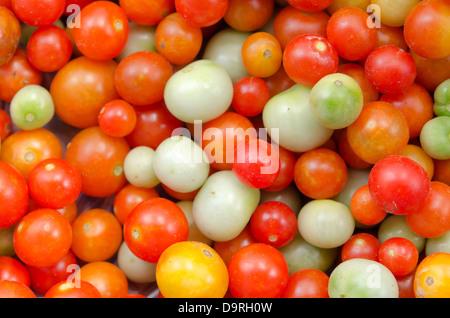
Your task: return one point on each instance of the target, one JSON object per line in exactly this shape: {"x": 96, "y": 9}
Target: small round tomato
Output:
{"x": 191, "y": 269}
{"x": 399, "y": 185}
{"x": 320, "y": 173}
{"x": 310, "y": 5}
{"x": 140, "y": 78}
{"x": 54, "y": 183}
{"x": 286, "y": 174}
{"x": 248, "y": 15}
{"x": 433, "y": 219}
{"x": 417, "y": 154}
{"x": 144, "y": 12}
{"x": 398, "y": 254}
{"x": 10, "y": 30}
{"x": 274, "y": 223}
{"x": 361, "y": 245}
{"x": 309, "y": 52}
{"x": 15, "y": 196}
{"x": 390, "y": 35}
{"x": 152, "y": 226}
{"x": 99, "y": 158}
{"x": 178, "y": 41}
{"x": 364, "y": 208}
{"x": 226, "y": 249}
{"x": 256, "y": 163}
{"x": 13, "y": 270}
{"x": 257, "y": 271}
{"x": 50, "y": 233}
{"x": 431, "y": 72}
{"x": 307, "y": 283}
{"x": 11, "y": 289}
{"x": 250, "y": 95}
{"x": 350, "y": 34}
{"x": 390, "y": 69}
{"x": 349, "y": 155}
{"x": 78, "y": 289}
{"x": 201, "y": 13}
{"x": 97, "y": 235}
{"x": 379, "y": 131}
{"x": 128, "y": 198}
{"x": 49, "y": 48}
{"x": 434, "y": 137}
{"x": 38, "y": 12}
{"x": 117, "y": 118}
{"x": 432, "y": 278}
{"x": 103, "y": 30}
{"x": 110, "y": 281}
{"x": 43, "y": 278}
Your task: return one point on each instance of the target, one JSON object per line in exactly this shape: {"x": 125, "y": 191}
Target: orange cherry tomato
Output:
{"x": 261, "y": 54}
{"x": 432, "y": 278}
{"x": 110, "y": 281}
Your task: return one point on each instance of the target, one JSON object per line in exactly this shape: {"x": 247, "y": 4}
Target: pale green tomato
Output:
{"x": 140, "y": 38}
{"x": 138, "y": 167}
{"x": 290, "y": 196}
{"x": 439, "y": 244}
{"x": 32, "y": 107}
{"x": 299, "y": 254}
{"x": 225, "y": 49}
{"x": 337, "y": 100}
{"x": 442, "y": 99}
{"x": 223, "y": 206}
{"x": 325, "y": 223}
{"x": 362, "y": 278}
{"x": 435, "y": 138}
{"x": 194, "y": 232}
{"x": 181, "y": 164}
{"x": 396, "y": 226}
{"x": 202, "y": 91}
{"x": 134, "y": 268}
{"x": 291, "y": 123}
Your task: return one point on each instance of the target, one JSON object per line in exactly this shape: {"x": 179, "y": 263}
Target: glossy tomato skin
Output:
{"x": 147, "y": 12}
{"x": 399, "y": 185}
{"x": 286, "y": 174}
{"x": 54, "y": 183}
{"x": 117, "y": 118}
{"x": 310, "y": 5}
{"x": 257, "y": 271}
{"x": 99, "y": 159}
{"x": 152, "y": 226}
{"x": 201, "y": 13}
{"x": 363, "y": 207}
{"x": 398, "y": 254}
{"x": 307, "y": 283}
{"x": 11, "y": 289}
{"x": 108, "y": 278}
{"x": 250, "y": 95}
{"x": 51, "y": 233}
{"x": 103, "y": 30}
{"x": 15, "y": 196}
{"x": 432, "y": 277}
{"x": 38, "y": 13}
{"x": 361, "y": 245}
{"x": 64, "y": 289}
{"x": 13, "y": 270}
{"x": 10, "y": 30}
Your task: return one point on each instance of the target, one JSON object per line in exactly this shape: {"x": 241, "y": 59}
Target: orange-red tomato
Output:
{"x": 144, "y": 12}
{"x": 11, "y": 289}
{"x": 110, "y": 281}
{"x": 10, "y": 31}
{"x": 65, "y": 289}
{"x": 248, "y": 15}
{"x": 432, "y": 278}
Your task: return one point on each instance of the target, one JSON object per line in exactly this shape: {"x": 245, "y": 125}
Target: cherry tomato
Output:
{"x": 286, "y": 173}
{"x": 97, "y": 235}
{"x": 103, "y": 30}
{"x": 38, "y": 12}
{"x": 201, "y": 13}
{"x": 257, "y": 271}
{"x": 356, "y": 71}
{"x": 11, "y": 289}
{"x": 10, "y": 30}
{"x": 307, "y": 283}
{"x": 154, "y": 225}
{"x": 140, "y": 78}
{"x": 306, "y": 53}
{"x": 361, "y": 245}
{"x": 50, "y": 233}
{"x": 432, "y": 277}
{"x": 54, "y": 183}
{"x": 350, "y": 34}
{"x": 431, "y": 72}
{"x": 274, "y": 223}
{"x": 406, "y": 285}
{"x": 391, "y": 35}
{"x": 64, "y": 289}
{"x": 398, "y": 254}
{"x": 147, "y": 12}
{"x": 117, "y": 118}
{"x": 399, "y": 185}
{"x": 15, "y": 196}
{"x": 250, "y": 95}
{"x": 191, "y": 269}
{"x": 99, "y": 159}
{"x": 320, "y": 173}
{"x": 109, "y": 280}
{"x": 249, "y": 15}
{"x": 417, "y": 154}
{"x": 310, "y": 5}
{"x": 226, "y": 249}
{"x": 13, "y": 270}
{"x": 349, "y": 155}
{"x": 49, "y": 48}
{"x": 364, "y": 208}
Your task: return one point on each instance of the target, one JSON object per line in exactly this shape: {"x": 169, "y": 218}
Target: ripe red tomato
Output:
{"x": 310, "y": 5}
{"x": 54, "y": 183}
{"x": 257, "y": 271}
{"x": 361, "y": 245}
{"x": 307, "y": 283}
{"x": 38, "y": 12}
{"x": 79, "y": 289}
{"x": 152, "y": 226}
{"x": 11, "y": 289}
{"x": 117, "y": 118}
{"x": 398, "y": 254}
{"x": 308, "y": 58}
{"x": 13, "y": 270}
{"x": 15, "y": 196}
{"x": 103, "y": 30}
{"x": 10, "y": 30}
{"x": 363, "y": 207}
{"x": 250, "y": 95}
{"x": 51, "y": 234}
{"x": 144, "y": 12}
{"x": 286, "y": 174}
{"x": 399, "y": 185}
{"x": 201, "y": 13}
{"x": 248, "y": 15}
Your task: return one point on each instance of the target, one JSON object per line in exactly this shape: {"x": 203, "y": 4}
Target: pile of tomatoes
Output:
{"x": 225, "y": 148}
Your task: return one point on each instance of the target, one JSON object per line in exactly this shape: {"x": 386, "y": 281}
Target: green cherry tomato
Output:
{"x": 435, "y": 138}
{"x": 442, "y": 99}
{"x": 336, "y": 100}
{"x": 32, "y": 107}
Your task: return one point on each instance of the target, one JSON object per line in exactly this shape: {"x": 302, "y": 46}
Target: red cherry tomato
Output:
{"x": 38, "y": 12}
{"x": 363, "y": 207}
{"x": 307, "y": 283}
{"x": 310, "y": 5}
{"x": 79, "y": 289}
{"x": 250, "y": 96}
{"x": 117, "y": 118}
{"x": 144, "y": 12}
{"x": 13, "y": 270}
{"x": 286, "y": 174}
{"x": 398, "y": 254}
{"x": 361, "y": 245}
{"x": 11, "y": 289}
{"x": 201, "y": 13}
